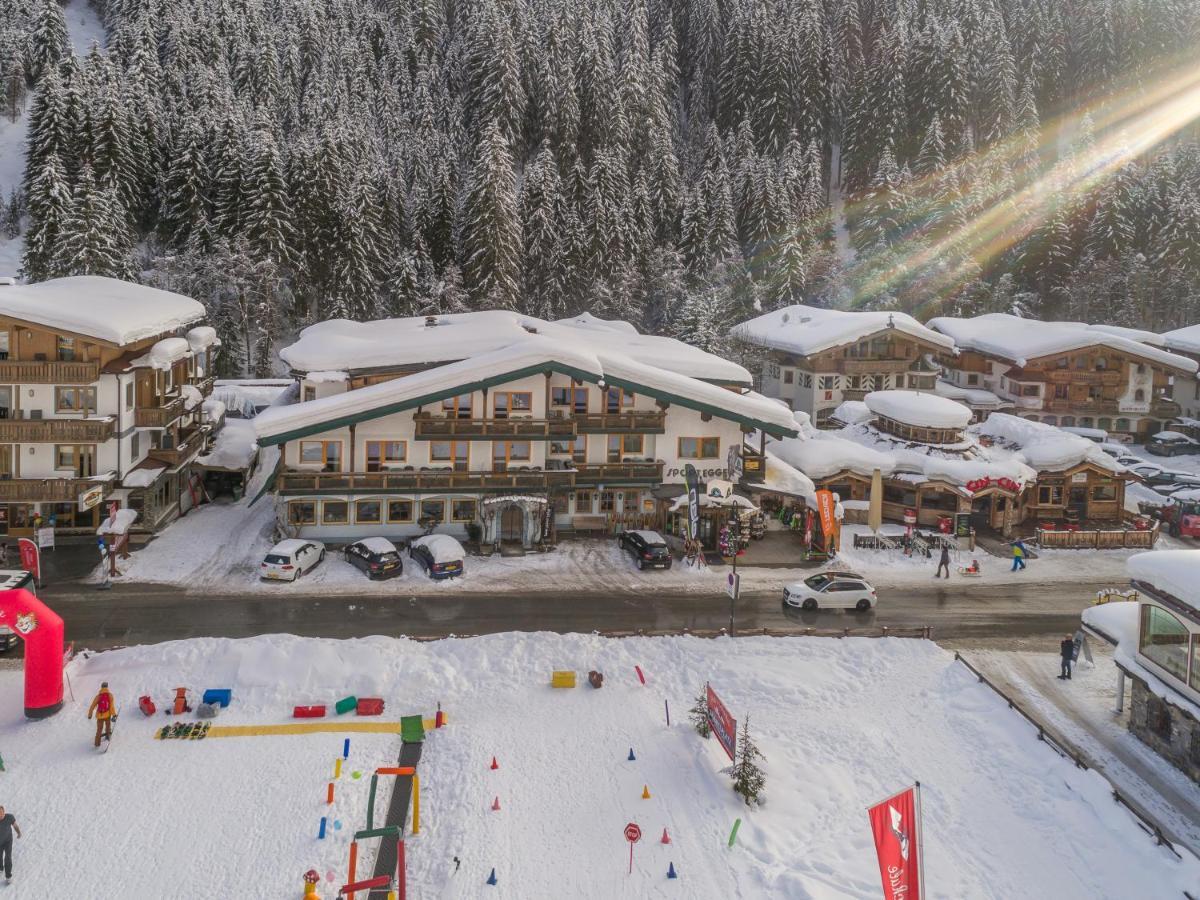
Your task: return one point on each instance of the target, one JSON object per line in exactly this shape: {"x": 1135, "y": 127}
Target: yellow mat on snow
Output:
{"x": 308, "y": 728}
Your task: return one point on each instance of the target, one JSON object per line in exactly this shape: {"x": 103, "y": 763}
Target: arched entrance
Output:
{"x": 515, "y": 519}
{"x": 512, "y": 524}
{"x": 42, "y": 630}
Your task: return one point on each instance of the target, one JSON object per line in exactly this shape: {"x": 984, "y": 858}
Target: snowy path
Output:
{"x": 1081, "y": 710}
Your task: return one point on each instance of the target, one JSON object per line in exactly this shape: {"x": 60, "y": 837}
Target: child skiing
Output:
{"x": 105, "y": 709}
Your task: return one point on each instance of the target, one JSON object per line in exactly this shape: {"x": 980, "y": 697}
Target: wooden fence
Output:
{"x": 1098, "y": 539}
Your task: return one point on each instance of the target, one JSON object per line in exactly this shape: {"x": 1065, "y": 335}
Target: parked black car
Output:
{"x": 376, "y": 556}
{"x": 647, "y": 548}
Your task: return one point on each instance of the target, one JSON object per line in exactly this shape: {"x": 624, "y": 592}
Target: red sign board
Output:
{"x": 896, "y": 825}
{"x": 724, "y": 726}
{"x": 31, "y": 558}
{"x": 632, "y": 833}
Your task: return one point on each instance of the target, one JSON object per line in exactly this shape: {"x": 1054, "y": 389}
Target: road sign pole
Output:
{"x": 631, "y": 857}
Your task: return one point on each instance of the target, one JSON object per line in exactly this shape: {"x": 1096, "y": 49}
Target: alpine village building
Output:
{"x": 1066, "y": 373}
{"x": 1186, "y": 391}
{"x": 818, "y": 358}
{"x": 102, "y": 387}
{"x": 503, "y": 428}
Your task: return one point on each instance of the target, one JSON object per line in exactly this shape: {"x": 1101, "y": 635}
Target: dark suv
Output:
{"x": 647, "y": 548}
{"x": 376, "y": 556}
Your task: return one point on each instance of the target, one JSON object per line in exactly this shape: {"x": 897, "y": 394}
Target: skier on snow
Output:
{"x": 104, "y": 707}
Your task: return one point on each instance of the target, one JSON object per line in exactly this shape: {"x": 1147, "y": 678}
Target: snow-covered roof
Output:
{"x": 379, "y": 545}
{"x": 918, "y": 408}
{"x": 248, "y": 396}
{"x": 1184, "y": 340}
{"x": 1044, "y": 447}
{"x": 143, "y": 476}
{"x": 234, "y": 449}
{"x": 820, "y": 454}
{"x": 191, "y": 396}
{"x": 784, "y": 478}
{"x": 341, "y": 345}
{"x": 805, "y": 330}
{"x": 164, "y": 354}
{"x": 1177, "y": 572}
{"x": 535, "y": 352}
{"x": 852, "y": 412}
{"x": 1021, "y": 340}
{"x": 970, "y": 396}
{"x": 108, "y": 309}
{"x": 1133, "y": 334}
{"x": 442, "y": 547}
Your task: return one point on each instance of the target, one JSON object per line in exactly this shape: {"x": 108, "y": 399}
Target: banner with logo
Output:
{"x": 826, "y": 504}
{"x": 723, "y": 725}
{"x": 692, "y": 479}
{"x": 896, "y": 825}
{"x": 31, "y": 558}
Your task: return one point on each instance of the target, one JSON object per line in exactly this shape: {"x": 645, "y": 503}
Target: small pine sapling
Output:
{"x": 698, "y": 714}
{"x": 748, "y": 777}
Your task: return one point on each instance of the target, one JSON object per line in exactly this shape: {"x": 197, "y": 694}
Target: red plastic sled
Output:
{"x": 370, "y": 706}
{"x": 308, "y": 712}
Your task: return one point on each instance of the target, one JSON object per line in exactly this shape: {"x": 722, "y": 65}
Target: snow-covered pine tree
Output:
{"x": 491, "y": 231}
{"x": 698, "y": 714}
{"x": 749, "y": 779}
{"x": 48, "y": 199}
{"x": 47, "y": 39}
{"x": 94, "y": 239}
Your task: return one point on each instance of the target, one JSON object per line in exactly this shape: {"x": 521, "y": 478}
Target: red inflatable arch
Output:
{"x": 42, "y": 630}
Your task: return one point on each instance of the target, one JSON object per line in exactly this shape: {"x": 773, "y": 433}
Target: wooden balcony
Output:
{"x": 159, "y": 416}
{"x": 630, "y": 422}
{"x": 436, "y": 428}
{"x": 47, "y": 490}
{"x": 188, "y": 445}
{"x": 587, "y": 474}
{"x": 205, "y": 385}
{"x": 417, "y": 481}
{"x": 40, "y": 371}
{"x": 851, "y": 366}
{"x": 57, "y": 431}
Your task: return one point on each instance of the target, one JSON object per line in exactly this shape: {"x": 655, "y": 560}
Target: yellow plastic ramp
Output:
{"x": 561, "y": 679}
{"x": 304, "y": 728}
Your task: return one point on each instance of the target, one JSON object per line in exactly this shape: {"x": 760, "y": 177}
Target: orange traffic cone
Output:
{"x": 496, "y": 805}
{"x": 666, "y": 838}
{"x": 645, "y": 792}
{"x": 495, "y": 765}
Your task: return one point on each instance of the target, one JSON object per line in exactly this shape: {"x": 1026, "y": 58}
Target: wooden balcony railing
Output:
{"x": 174, "y": 456}
{"x": 433, "y": 428}
{"x": 205, "y": 385}
{"x": 631, "y": 422}
{"x": 57, "y": 431}
{"x": 159, "y": 416}
{"x": 873, "y": 366}
{"x": 40, "y": 371}
{"x": 429, "y": 480}
{"x": 606, "y": 473}
{"x": 47, "y": 490}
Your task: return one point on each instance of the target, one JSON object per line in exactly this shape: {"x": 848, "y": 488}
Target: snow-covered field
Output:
{"x": 841, "y": 723}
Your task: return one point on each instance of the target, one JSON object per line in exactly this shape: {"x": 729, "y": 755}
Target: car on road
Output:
{"x": 441, "y": 555}
{"x": 830, "y": 590}
{"x": 376, "y": 556}
{"x": 291, "y": 558}
{"x": 647, "y": 548}
{"x": 1172, "y": 443}
{"x": 1144, "y": 470}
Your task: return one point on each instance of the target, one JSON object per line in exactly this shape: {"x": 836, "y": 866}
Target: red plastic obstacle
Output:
{"x": 308, "y": 712}
{"x": 495, "y": 765}
{"x": 496, "y": 804}
{"x": 146, "y": 705}
{"x": 370, "y": 706}
{"x": 665, "y": 838}
{"x": 42, "y": 631}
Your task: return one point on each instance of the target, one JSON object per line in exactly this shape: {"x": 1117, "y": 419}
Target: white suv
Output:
{"x": 830, "y": 590}
{"x": 291, "y": 558}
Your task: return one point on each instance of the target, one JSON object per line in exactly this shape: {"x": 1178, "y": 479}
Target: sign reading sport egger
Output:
{"x": 724, "y": 726}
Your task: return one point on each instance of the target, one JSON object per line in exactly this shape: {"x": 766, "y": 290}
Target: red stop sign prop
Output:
{"x": 632, "y": 833}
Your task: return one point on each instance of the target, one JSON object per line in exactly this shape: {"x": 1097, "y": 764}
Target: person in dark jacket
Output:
{"x": 1067, "y": 651}
{"x": 944, "y": 562}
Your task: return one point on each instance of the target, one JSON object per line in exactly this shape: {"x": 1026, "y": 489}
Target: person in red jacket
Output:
{"x": 105, "y": 709}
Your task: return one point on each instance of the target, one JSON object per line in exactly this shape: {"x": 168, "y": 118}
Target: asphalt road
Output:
{"x": 142, "y": 614}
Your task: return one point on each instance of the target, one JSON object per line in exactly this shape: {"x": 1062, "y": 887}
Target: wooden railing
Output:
{"x": 159, "y": 416}
{"x": 1098, "y": 539}
{"x": 48, "y": 490}
{"x": 173, "y": 456}
{"x": 430, "y": 480}
{"x": 25, "y": 371}
{"x": 51, "y": 431}
{"x": 205, "y": 385}
{"x": 599, "y": 473}
{"x": 631, "y": 422}
{"x": 438, "y": 428}
{"x": 851, "y": 366}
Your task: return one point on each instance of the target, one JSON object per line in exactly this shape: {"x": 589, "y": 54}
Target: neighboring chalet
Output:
{"x": 818, "y": 358}
{"x": 102, "y": 387}
{"x": 1186, "y": 391}
{"x": 1066, "y": 373}
{"x": 1157, "y": 642}
{"x": 504, "y": 424}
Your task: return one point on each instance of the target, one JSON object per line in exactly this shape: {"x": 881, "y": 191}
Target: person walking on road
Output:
{"x": 7, "y": 826}
{"x": 1067, "y": 651}
{"x": 104, "y": 707}
{"x": 944, "y": 562}
{"x": 1018, "y": 556}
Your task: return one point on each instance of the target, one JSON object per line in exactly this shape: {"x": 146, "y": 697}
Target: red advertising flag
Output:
{"x": 724, "y": 726}
{"x": 31, "y": 558}
{"x": 896, "y": 825}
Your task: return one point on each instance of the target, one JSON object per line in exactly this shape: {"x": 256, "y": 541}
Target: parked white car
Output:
{"x": 830, "y": 590}
{"x": 291, "y": 558}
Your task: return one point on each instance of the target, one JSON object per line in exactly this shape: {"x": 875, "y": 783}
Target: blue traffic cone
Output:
{"x": 671, "y": 871}
{"x": 492, "y": 877}
{"x": 631, "y": 756}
